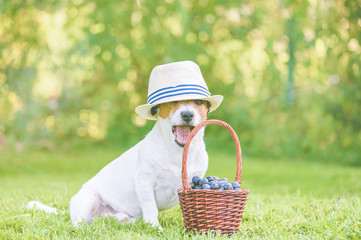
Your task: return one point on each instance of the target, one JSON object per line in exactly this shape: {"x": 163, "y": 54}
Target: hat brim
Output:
{"x": 144, "y": 110}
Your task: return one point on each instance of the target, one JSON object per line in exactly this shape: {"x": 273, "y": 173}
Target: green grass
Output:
{"x": 289, "y": 198}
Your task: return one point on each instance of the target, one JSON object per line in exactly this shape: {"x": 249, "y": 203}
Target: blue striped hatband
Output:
{"x": 183, "y": 89}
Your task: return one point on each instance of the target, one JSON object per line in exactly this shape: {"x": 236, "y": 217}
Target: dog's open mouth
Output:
{"x": 181, "y": 133}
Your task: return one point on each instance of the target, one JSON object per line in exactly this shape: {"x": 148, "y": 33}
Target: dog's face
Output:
{"x": 182, "y": 117}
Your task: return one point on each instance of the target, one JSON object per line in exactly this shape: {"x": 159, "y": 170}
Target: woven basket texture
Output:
{"x": 212, "y": 210}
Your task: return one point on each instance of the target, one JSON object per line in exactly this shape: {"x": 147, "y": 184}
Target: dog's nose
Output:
{"x": 187, "y": 116}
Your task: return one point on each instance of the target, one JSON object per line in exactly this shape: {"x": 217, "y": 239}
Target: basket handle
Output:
{"x": 186, "y": 185}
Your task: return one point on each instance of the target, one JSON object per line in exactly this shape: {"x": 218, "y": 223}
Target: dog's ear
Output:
{"x": 208, "y": 104}
{"x": 154, "y": 110}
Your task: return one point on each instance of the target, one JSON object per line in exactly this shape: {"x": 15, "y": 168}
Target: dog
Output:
{"x": 144, "y": 180}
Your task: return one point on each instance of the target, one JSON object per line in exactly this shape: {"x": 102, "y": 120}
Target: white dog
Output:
{"x": 145, "y": 179}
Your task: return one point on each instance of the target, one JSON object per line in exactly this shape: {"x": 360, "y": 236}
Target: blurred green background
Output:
{"x": 73, "y": 71}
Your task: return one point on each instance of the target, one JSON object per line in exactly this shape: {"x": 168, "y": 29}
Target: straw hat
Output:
{"x": 175, "y": 82}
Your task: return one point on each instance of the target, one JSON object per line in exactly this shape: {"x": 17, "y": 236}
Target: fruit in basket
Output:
{"x": 203, "y": 181}
{"x": 235, "y": 185}
{"x": 212, "y": 182}
{"x": 224, "y": 180}
{"x": 206, "y": 186}
{"x": 195, "y": 180}
{"x": 221, "y": 184}
{"x": 228, "y": 186}
{"x": 210, "y": 179}
{"x": 213, "y": 185}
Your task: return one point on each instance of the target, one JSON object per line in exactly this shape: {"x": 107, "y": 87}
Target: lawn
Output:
{"x": 289, "y": 198}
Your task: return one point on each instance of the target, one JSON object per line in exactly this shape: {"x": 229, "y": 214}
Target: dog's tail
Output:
{"x": 42, "y": 207}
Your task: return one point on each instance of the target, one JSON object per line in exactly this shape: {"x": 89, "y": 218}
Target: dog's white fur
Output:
{"x": 142, "y": 181}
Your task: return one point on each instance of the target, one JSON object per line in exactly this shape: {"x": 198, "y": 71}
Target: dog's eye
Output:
{"x": 154, "y": 110}
{"x": 198, "y": 102}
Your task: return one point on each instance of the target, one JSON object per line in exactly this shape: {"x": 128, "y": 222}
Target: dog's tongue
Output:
{"x": 182, "y": 133}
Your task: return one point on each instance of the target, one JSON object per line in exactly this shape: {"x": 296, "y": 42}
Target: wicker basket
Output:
{"x": 212, "y": 210}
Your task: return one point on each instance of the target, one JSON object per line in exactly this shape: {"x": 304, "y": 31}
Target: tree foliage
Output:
{"x": 289, "y": 70}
